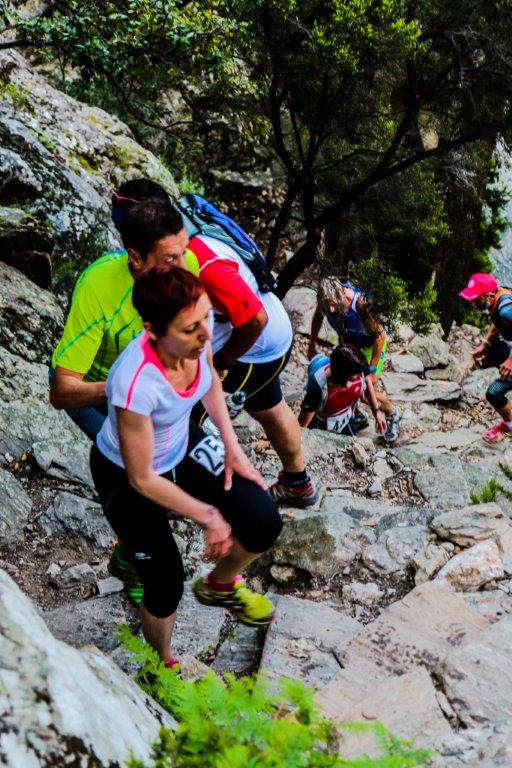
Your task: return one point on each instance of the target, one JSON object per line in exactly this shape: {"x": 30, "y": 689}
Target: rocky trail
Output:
{"x": 393, "y": 593}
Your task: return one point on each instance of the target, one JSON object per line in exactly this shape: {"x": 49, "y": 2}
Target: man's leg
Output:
{"x": 283, "y": 431}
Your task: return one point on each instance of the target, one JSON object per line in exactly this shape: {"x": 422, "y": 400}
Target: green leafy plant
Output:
{"x": 249, "y": 722}
{"x": 492, "y": 488}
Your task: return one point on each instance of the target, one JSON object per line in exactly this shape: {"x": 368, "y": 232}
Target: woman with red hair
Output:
{"x": 149, "y": 459}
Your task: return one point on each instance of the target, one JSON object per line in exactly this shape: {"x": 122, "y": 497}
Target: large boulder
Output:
{"x": 60, "y": 159}
{"x": 15, "y": 506}
{"x": 471, "y": 524}
{"x": 411, "y": 389}
{"x": 58, "y": 446}
{"x": 431, "y": 350}
{"x": 61, "y": 706}
{"x": 30, "y": 317}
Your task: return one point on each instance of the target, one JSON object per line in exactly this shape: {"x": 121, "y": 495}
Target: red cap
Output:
{"x": 478, "y": 285}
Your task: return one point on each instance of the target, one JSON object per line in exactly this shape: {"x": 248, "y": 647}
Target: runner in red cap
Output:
{"x": 495, "y": 349}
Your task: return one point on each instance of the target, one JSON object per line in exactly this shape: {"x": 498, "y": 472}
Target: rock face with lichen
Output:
{"x": 59, "y": 161}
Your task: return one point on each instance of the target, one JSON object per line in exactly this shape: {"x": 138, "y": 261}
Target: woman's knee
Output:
{"x": 162, "y": 600}
{"x": 495, "y": 394}
{"x": 260, "y": 525}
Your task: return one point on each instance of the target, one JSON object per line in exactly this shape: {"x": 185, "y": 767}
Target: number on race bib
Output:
{"x": 209, "y": 453}
{"x": 339, "y": 422}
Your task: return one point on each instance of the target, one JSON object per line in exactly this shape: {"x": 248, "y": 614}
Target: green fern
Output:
{"x": 492, "y": 488}
{"x": 249, "y": 722}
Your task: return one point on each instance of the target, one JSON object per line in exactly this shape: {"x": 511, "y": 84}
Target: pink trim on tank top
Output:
{"x": 151, "y": 357}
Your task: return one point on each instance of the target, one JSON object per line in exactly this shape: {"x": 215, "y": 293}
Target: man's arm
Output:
{"x": 479, "y": 354}
{"x": 244, "y": 337}
{"x": 233, "y": 297}
{"x": 68, "y": 390}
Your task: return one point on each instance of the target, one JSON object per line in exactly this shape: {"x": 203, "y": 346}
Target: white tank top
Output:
{"x": 137, "y": 382}
{"x": 276, "y": 337}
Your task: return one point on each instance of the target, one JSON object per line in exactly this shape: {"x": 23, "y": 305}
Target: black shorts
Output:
{"x": 259, "y": 381}
{"x": 143, "y": 526}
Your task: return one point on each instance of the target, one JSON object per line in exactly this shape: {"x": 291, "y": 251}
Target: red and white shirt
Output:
{"x": 236, "y": 299}
{"x": 137, "y": 382}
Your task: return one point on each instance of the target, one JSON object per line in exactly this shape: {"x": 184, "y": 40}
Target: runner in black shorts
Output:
{"x": 147, "y": 461}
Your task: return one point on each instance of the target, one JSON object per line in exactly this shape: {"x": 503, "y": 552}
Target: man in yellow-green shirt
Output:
{"x": 102, "y": 320}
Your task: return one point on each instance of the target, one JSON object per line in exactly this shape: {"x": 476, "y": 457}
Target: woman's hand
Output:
{"x": 217, "y": 535}
{"x": 380, "y": 422}
{"x": 236, "y": 462}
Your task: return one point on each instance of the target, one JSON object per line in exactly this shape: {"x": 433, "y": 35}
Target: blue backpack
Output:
{"x": 203, "y": 218}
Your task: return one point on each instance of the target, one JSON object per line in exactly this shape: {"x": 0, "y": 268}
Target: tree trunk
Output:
{"x": 301, "y": 260}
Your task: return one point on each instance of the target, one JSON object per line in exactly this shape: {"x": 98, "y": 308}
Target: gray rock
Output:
{"x": 417, "y": 631}
{"x": 363, "y": 593}
{"x": 15, "y": 506}
{"x": 30, "y": 317}
{"x": 76, "y": 577}
{"x": 91, "y": 622}
{"x": 454, "y": 371}
{"x": 432, "y": 351}
{"x": 79, "y": 516}
{"x": 73, "y": 152}
{"x": 359, "y": 453}
{"x": 428, "y": 560}
{"x": 61, "y": 706}
{"x": 492, "y": 604}
{"x": 302, "y": 638}
{"x": 471, "y": 524}
{"x": 425, "y": 415}
{"x": 407, "y": 705}
{"x": 442, "y": 482}
{"x": 300, "y": 303}
{"x": 26, "y": 244}
{"x": 382, "y": 470}
{"x": 477, "y": 382}
{"x": 410, "y": 388}
{"x": 453, "y": 440}
{"x": 198, "y": 627}
{"x": 321, "y": 543}
{"x": 474, "y": 567}
{"x": 53, "y": 570}
{"x": 59, "y": 447}
{"x": 21, "y": 380}
{"x": 283, "y": 574}
{"x": 239, "y": 652}
{"x": 379, "y": 515}
{"x": 109, "y": 586}
{"x": 375, "y": 488}
{"x": 406, "y": 363}
{"x": 477, "y": 677}
{"x": 395, "y": 549}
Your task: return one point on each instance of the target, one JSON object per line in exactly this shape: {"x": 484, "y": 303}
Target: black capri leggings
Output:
{"x": 497, "y": 391}
{"x": 143, "y": 526}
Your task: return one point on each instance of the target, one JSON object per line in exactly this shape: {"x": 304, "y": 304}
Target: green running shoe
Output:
{"x": 249, "y": 607}
{"x": 122, "y": 569}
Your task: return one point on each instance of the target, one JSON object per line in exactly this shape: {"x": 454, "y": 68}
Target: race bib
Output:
{"x": 209, "y": 453}
{"x": 340, "y": 422}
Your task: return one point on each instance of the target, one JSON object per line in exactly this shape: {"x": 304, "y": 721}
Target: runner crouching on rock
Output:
{"x": 335, "y": 385}
{"x": 149, "y": 459}
{"x": 495, "y": 349}
{"x": 349, "y": 311}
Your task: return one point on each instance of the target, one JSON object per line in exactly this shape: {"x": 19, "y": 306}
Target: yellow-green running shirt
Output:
{"x": 102, "y": 320}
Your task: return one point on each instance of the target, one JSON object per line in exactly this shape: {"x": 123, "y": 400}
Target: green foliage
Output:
{"x": 247, "y": 723}
{"x": 493, "y": 488}
{"x": 391, "y": 296}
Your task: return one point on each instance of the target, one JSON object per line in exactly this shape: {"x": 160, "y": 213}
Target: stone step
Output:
{"x": 303, "y": 638}
{"x": 417, "y": 631}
